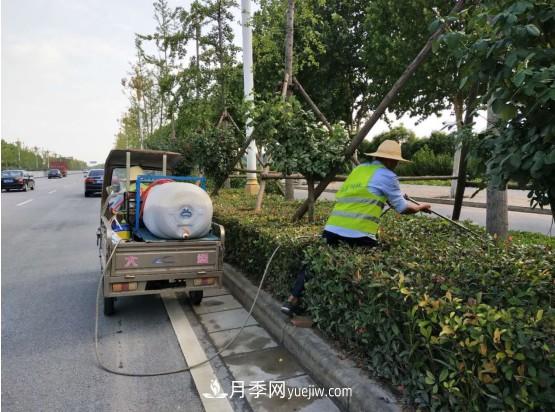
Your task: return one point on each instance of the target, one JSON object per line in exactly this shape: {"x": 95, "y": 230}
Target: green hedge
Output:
{"x": 452, "y": 324}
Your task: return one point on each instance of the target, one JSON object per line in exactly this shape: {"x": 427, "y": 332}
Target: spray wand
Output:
{"x": 473, "y": 233}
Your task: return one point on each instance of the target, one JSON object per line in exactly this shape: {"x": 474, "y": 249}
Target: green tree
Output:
{"x": 297, "y": 142}
{"x": 327, "y": 61}
{"x": 509, "y": 45}
{"x": 128, "y": 133}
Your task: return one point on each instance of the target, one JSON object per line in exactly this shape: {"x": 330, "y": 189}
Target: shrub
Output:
{"x": 456, "y": 325}
{"x": 427, "y": 163}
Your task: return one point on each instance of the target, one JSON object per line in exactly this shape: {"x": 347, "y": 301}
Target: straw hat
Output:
{"x": 389, "y": 149}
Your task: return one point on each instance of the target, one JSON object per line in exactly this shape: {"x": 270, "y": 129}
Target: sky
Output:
{"x": 62, "y": 63}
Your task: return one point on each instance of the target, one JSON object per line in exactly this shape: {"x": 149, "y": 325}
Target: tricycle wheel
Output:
{"x": 109, "y": 306}
{"x": 195, "y": 296}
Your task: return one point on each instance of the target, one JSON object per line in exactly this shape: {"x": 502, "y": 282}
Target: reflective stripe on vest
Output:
{"x": 356, "y": 208}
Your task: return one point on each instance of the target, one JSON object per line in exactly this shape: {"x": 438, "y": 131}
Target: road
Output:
{"x": 50, "y": 274}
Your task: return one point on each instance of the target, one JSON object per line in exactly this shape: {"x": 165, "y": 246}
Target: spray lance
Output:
{"x": 474, "y": 234}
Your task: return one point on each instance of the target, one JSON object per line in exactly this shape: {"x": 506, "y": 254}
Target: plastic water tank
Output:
{"x": 178, "y": 211}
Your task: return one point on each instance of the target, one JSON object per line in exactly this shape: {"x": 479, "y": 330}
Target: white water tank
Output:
{"x": 178, "y": 211}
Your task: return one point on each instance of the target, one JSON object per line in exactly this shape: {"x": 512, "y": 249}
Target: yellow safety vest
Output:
{"x": 356, "y": 208}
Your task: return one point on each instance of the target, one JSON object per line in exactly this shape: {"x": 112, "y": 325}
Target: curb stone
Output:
{"x": 324, "y": 363}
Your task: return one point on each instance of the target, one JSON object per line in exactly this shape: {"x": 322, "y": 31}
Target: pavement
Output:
{"x": 50, "y": 274}
{"x": 530, "y": 222}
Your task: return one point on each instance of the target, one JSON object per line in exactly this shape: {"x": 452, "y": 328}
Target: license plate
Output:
{"x": 8, "y": 180}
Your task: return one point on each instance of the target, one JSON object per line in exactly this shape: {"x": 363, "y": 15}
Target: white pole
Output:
{"x": 248, "y": 87}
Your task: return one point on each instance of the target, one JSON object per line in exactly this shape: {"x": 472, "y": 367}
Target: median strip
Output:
{"x": 24, "y": 203}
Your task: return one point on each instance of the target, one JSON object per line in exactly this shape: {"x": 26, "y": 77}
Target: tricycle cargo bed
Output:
{"x": 181, "y": 257}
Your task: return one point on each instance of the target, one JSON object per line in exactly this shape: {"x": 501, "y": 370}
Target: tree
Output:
{"x": 512, "y": 51}
{"x": 297, "y": 142}
{"x": 328, "y": 37}
{"x": 128, "y": 133}
{"x": 393, "y": 39}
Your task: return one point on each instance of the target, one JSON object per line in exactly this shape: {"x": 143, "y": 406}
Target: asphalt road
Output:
{"x": 49, "y": 277}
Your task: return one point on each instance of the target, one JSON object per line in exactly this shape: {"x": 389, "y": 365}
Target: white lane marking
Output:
{"x": 24, "y": 203}
{"x": 52, "y": 191}
{"x": 193, "y": 353}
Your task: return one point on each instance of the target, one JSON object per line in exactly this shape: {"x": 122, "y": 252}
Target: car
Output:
{"x": 85, "y": 172}
{"x": 54, "y": 173}
{"x": 17, "y": 180}
{"x": 93, "y": 181}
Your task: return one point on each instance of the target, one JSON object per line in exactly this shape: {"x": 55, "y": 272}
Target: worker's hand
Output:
{"x": 425, "y": 207}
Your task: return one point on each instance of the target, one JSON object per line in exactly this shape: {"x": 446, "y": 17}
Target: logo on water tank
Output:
{"x": 186, "y": 212}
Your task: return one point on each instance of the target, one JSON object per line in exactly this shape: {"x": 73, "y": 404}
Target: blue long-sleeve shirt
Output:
{"x": 384, "y": 183}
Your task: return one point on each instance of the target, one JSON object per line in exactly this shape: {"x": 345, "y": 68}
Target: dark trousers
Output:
{"x": 332, "y": 239}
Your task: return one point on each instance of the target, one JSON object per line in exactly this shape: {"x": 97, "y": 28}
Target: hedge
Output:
{"x": 448, "y": 322}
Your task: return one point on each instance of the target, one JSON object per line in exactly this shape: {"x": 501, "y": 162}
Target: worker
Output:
{"x": 359, "y": 203}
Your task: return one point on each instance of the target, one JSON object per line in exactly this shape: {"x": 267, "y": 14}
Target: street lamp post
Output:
{"x": 252, "y": 186}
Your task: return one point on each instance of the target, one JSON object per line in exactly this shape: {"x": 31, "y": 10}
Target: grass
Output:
{"x": 427, "y": 182}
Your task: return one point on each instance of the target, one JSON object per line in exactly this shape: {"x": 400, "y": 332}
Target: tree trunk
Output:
{"x": 288, "y": 78}
{"x": 260, "y": 195}
{"x": 497, "y": 215}
{"x": 461, "y": 182}
{"x": 458, "y": 107}
{"x": 197, "y": 39}
{"x": 173, "y": 128}
{"x": 386, "y": 101}
{"x": 221, "y": 54}
{"x": 552, "y": 205}
{"x": 310, "y": 184}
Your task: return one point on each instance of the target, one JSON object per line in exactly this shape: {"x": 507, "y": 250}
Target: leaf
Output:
{"x": 434, "y": 25}
{"x": 519, "y": 77}
{"x": 504, "y": 110}
{"x": 429, "y": 380}
{"x": 497, "y": 336}
{"x": 446, "y": 330}
{"x": 443, "y": 375}
{"x": 533, "y": 30}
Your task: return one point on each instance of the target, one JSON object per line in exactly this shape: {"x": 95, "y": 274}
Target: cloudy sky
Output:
{"x": 62, "y": 62}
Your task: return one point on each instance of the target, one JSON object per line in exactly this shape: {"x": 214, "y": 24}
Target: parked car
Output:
{"x": 54, "y": 174}
{"x": 18, "y": 180}
{"x": 93, "y": 181}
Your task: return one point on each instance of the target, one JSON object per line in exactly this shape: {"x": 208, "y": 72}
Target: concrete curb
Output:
{"x": 323, "y": 362}
{"x": 521, "y": 209}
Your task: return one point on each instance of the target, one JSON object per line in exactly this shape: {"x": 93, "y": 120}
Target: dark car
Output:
{"x": 93, "y": 181}
{"x": 17, "y": 180}
{"x": 54, "y": 173}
